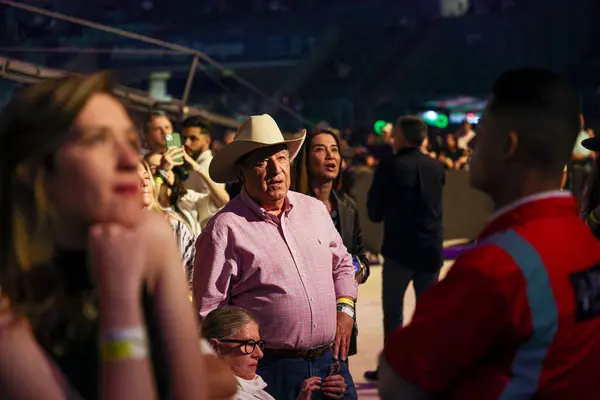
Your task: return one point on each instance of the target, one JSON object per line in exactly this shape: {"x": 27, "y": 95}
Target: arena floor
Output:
{"x": 370, "y": 326}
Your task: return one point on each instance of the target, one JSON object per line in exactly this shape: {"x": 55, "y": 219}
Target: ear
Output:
{"x": 512, "y": 142}
{"x": 215, "y": 345}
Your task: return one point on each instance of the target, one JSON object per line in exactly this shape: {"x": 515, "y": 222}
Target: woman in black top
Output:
{"x": 318, "y": 174}
{"x": 82, "y": 266}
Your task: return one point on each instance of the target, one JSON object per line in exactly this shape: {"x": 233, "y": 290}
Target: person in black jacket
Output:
{"x": 318, "y": 174}
{"x": 406, "y": 194}
{"x": 590, "y": 203}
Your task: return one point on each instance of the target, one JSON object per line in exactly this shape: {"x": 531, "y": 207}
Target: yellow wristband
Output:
{"x": 123, "y": 344}
{"x": 343, "y": 300}
{"x": 190, "y": 297}
{"x": 594, "y": 219}
{"x": 158, "y": 180}
{"x": 120, "y": 350}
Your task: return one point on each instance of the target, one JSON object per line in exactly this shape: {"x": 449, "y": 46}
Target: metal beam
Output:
{"x": 24, "y": 72}
{"x": 190, "y": 80}
{"x": 156, "y": 42}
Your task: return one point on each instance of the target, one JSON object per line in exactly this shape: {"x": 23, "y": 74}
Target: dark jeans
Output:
{"x": 284, "y": 376}
{"x": 395, "y": 282}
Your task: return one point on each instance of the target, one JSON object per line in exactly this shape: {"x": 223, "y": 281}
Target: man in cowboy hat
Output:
{"x": 277, "y": 253}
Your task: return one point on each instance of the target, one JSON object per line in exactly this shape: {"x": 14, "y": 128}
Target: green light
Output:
{"x": 441, "y": 121}
{"x": 378, "y": 126}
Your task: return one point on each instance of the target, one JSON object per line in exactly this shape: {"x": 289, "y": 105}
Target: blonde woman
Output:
{"x": 185, "y": 238}
{"x": 94, "y": 302}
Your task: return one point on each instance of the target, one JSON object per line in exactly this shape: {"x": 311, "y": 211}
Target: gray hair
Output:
{"x": 225, "y": 322}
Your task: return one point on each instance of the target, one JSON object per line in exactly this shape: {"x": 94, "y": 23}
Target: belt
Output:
{"x": 307, "y": 354}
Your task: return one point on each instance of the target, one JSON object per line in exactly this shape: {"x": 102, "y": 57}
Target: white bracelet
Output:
{"x": 346, "y": 309}
{"x": 123, "y": 344}
{"x": 135, "y": 334}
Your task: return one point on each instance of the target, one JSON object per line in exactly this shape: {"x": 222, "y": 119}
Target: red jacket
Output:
{"x": 518, "y": 316}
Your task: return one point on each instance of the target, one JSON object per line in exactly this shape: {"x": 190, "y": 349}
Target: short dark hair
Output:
{"x": 543, "y": 110}
{"x": 413, "y": 128}
{"x": 197, "y": 122}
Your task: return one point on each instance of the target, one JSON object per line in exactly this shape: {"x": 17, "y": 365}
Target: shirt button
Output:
{"x": 315, "y": 325}
{"x": 310, "y": 300}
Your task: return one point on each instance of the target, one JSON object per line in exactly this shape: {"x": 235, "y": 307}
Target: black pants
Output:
{"x": 395, "y": 282}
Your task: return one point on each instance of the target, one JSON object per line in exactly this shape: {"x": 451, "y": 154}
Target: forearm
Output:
{"x": 180, "y": 334}
{"x": 217, "y": 192}
{"x": 130, "y": 377}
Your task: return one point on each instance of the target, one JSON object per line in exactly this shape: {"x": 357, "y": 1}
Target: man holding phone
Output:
{"x": 196, "y": 139}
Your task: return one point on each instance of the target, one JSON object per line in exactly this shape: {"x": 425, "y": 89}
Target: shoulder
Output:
{"x": 230, "y": 218}
{"x": 346, "y": 200}
{"x": 492, "y": 262}
{"x": 304, "y": 201}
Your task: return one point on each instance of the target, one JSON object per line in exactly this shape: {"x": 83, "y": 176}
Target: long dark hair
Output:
{"x": 302, "y": 176}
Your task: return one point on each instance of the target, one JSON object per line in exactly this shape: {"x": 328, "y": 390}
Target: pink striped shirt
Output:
{"x": 288, "y": 272}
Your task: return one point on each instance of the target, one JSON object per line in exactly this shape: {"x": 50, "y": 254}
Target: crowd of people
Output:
{"x": 144, "y": 266}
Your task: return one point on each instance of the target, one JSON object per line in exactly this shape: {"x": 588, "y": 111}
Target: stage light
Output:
{"x": 430, "y": 116}
{"x": 441, "y": 121}
{"x": 378, "y": 126}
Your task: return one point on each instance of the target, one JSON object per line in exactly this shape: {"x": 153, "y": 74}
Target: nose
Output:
{"x": 127, "y": 156}
{"x": 328, "y": 154}
{"x": 273, "y": 166}
{"x": 257, "y": 353}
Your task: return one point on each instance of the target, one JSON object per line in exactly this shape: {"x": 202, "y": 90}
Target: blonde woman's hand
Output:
{"x": 308, "y": 387}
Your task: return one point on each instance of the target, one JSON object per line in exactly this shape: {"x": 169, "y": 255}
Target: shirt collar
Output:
{"x": 527, "y": 207}
{"x": 254, "y": 386}
{"x": 207, "y": 154}
{"x": 261, "y": 212}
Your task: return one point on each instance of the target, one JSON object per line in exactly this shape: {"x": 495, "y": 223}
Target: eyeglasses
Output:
{"x": 247, "y": 346}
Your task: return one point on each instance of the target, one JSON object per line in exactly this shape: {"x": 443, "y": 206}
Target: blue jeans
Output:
{"x": 284, "y": 376}
{"x": 395, "y": 280}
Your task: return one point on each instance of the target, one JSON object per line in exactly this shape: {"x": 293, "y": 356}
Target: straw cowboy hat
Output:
{"x": 256, "y": 132}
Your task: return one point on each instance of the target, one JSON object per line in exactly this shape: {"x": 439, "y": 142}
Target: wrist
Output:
{"x": 120, "y": 310}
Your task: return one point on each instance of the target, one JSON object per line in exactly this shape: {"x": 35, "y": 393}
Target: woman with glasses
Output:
{"x": 234, "y": 334}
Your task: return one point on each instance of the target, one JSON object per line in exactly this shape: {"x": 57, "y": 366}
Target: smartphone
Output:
{"x": 174, "y": 140}
{"x": 333, "y": 369}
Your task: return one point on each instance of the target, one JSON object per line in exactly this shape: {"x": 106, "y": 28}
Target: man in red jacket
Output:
{"x": 518, "y": 316}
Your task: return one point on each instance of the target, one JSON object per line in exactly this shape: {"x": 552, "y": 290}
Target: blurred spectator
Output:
{"x": 193, "y": 207}
{"x": 426, "y": 149}
{"x": 59, "y": 337}
{"x": 514, "y": 316}
{"x": 465, "y": 135}
{"x": 229, "y": 136}
{"x": 580, "y": 166}
{"x": 590, "y": 198}
{"x": 197, "y": 139}
{"x": 406, "y": 195}
{"x": 453, "y": 157}
{"x": 185, "y": 238}
{"x": 155, "y": 129}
